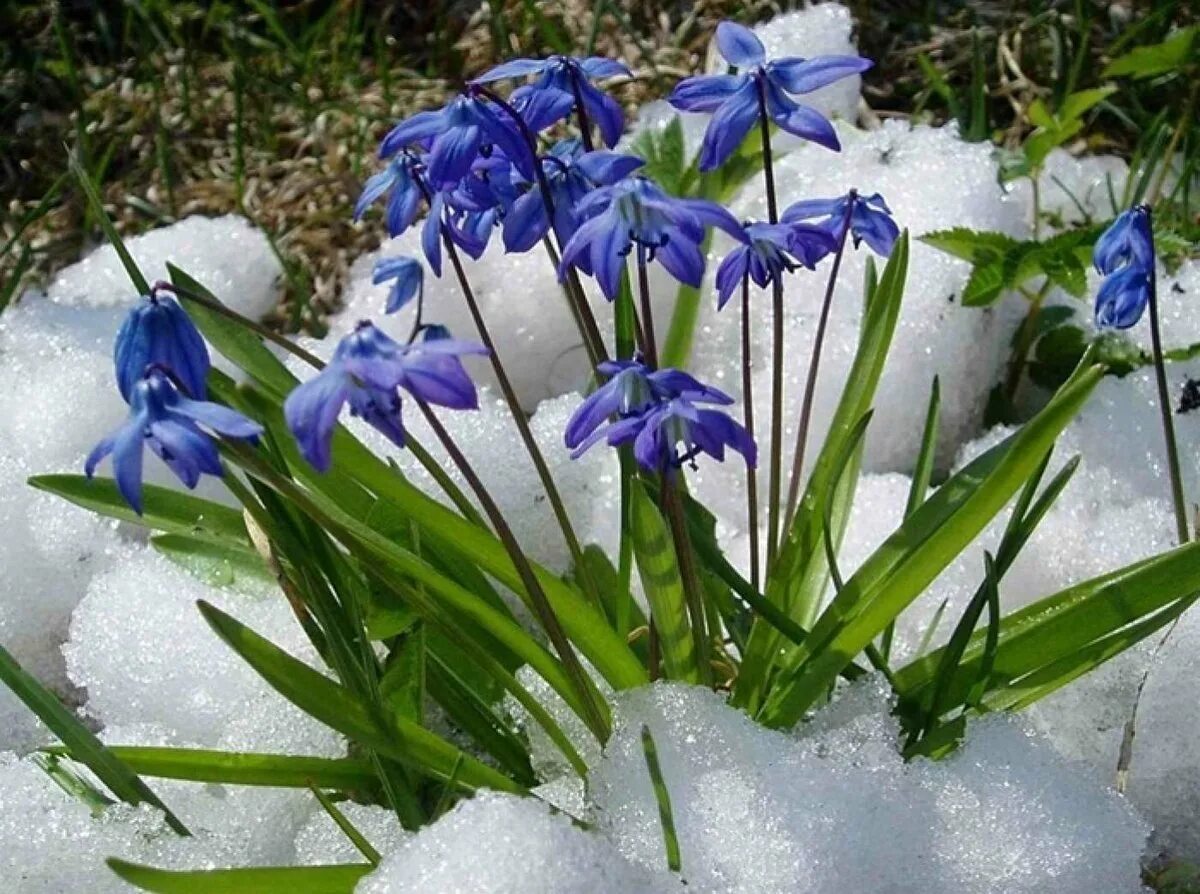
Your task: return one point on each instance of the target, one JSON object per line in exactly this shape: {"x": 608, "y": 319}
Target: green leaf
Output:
{"x": 663, "y": 586}
{"x": 260, "y": 880}
{"x": 233, "y": 340}
{"x": 986, "y": 283}
{"x": 163, "y": 509}
{"x": 1173, "y": 54}
{"x": 243, "y": 768}
{"x": 976, "y": 246}
{"x": 911, "y": 558}
{"x": 338, "y": 708}
{"x": 798, "y": 580}
{"x": 80, "y": 742}
{"x": 218, "y": 565}
{"x": 1079, "y": 102}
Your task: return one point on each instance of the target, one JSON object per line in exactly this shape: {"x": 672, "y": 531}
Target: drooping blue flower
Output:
{"x": 170, "y": 423}
{"x": 367, "y": 370}
{"x": 1128, "y": 240}
{"x": 463, "y": 130}
{"x": 631, "y": 389}
{"x": 570, "y": 173}
{"x": 737, "y": 100}
{"x": 767, "y": 251}
{"x": 870, "y": 219}
{"x": 158, "y": 331}
{"x": 560, "y": 80}
{"x": 1124, "y": 253}
{"x": 399, "y": 182}
{"x": 637, "y": 211}
{"x": 407, "y": 277}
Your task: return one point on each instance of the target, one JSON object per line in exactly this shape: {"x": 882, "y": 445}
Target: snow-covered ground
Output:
{"x": 1026, "y": 805}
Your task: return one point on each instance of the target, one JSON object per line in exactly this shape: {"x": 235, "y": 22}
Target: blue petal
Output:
{"x": 514, "y": 68}
{"x": 311, "y": 412}
{"x": 541, "y": 107}
{"x": 601, "y": 67}
{"x": 683, "y": 260}
{"x": 402, "y": 208}
{"x": 800, "y": 120}
{"x": 731, "y": 273}
{"x": 729, "y": 126}
{"x": 591, "y": 414}
{"x": 797, "y": 75}
{"x": 219, "y": 418}
{"x": 453, "y": 152}
{"x": 431, "y": 237}
{"x": 607, "y": 256}
{"x": 526, "y": 222}
{"x": 704, "y": 93}
{"x": 808, "y": 209}
{"x": 185, "y": 450}
{"x": 739, "y": 46}
{"x": 603, "y": 167}
{"x": 605, "y": 112}
{"x": 878, "y": 230}
{"x": 127, "y": 460}
{"x": 412, "y": 130}
{"x": 1122, "y": 298}
{"x": 710, "y": 214}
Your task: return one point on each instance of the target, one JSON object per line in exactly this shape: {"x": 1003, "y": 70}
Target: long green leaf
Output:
{"x": 916, "y": 553}
{"x": 800, "y": 575}
{"x": 260, "y": 880}
{"x": 80, "y": 742}
{"x": 663, "y": 586}
{"x": 338, "y": 708}
{"x": 163, "y": 509}
{"x": 243, "y": 768}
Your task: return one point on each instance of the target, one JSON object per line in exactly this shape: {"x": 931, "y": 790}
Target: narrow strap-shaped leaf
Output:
{"x": 260, "y": 880}
{"x": 163, "y": 509}
{"x": 340, "y": 819}
{"x": 96, "y": 203}
{"x": 338, "y": 708}
{"x": 663, "y": 798}
{"x": 80, "y": 742}
{"x": 663, "y": 586}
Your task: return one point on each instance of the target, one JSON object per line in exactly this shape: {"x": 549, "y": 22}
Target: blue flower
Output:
{"x": 1124, "y": 253}
{"x": 457, "y": 134}
{"x": 158, "y": 331}
{"x": 636, "y": 210}
{"x": 169, "y": 422}
{"x": 657, "y": 411}
{"x": 1128, "y": 240}
{"x": 737, "y": 100}
{"x": 399, "y": 181}
{"x": 367, "y": 371}
{"x": 570, "y": 174}
{"x": 870, "y": 219}
{"x": 407, "y": 277}
{"x": 631, "y": 389}
{"x": 560, "y": 80}
{"x": 767, "y": 251}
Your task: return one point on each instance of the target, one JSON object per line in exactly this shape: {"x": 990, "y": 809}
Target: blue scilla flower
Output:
{"x": 737, "y": 99}
{"x": 457, "y": 134}
{"x": 1124, "y": 254}
{"x": 570, "y": 174}
{"x": 767, "y": 251}
{"x": 1128, "y": 240}
{"x": 407, "y": 277}
{"x": 560, "y": 81}
{"x": 631, "y": 389}
{"x": 158, "y": 331}
{"x": 367, "y": 370}
{"x": 399, "y": 182}
{"x": 636, "y": 211}
{"x": 870, "y": 219}
{"x": 170, "y": 423}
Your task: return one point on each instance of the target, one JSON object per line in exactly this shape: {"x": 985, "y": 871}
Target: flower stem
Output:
{"x": 814, "y": 364}
{"x": 748, "y": 420}
{"x": 585, "y": 126}
{"x": 775, "y": 482}
{"x": 537, "y": 596}
{"x": 526, "y": 433}
{"x": 1164, "y": 408}
{"x": 649, "y": 343}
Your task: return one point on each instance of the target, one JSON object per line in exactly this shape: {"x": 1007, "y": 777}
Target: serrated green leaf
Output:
{"x": 1173, "y": 54}
{"x": 976, "y": 246}
{"x": 259, "y": 880}
{"x": 986, "y": 283}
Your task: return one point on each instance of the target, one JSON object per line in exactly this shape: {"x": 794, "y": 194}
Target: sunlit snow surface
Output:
{"x": 827, "y": 808}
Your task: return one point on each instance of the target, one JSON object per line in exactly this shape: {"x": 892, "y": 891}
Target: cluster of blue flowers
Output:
{"x": 1124, "y": 255}
{"x": 484, "y": 164}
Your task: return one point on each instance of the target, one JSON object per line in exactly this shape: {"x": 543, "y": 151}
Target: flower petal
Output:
{"x": 127, "y": 461}
{"x": 797, "y": 75}
{"x": 311, "y": 412}
{"x": 729, "y": 126}
{"x": 739, "y": 46}
{"x": 514, "y": 68}
{"x": 705, "y": 93}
